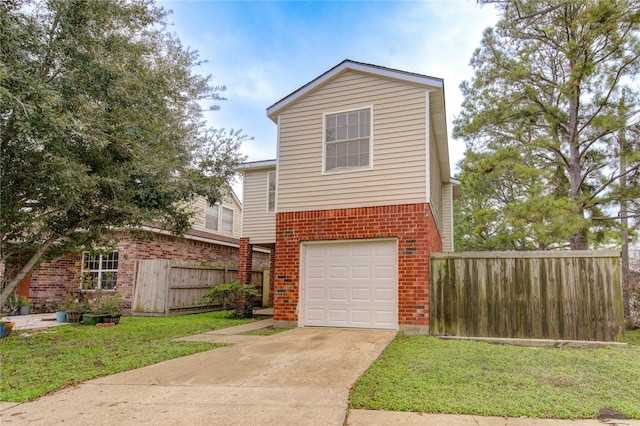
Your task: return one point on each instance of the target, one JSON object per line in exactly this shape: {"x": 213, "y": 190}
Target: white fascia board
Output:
{"x": 356, "y": 66}
{"x": 255, "y": 165}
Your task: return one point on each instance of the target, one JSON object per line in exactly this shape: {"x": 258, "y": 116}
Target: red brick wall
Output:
{"x": 412, "y": 224}
{"x": 51, "y": 282}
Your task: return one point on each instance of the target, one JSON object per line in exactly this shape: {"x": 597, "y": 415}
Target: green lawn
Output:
{"x": 426, "y": 374}
{"x": 61, "y": 356}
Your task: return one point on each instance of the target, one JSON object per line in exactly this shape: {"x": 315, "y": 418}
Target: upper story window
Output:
{"x": 347, "y": 140}
{"x": 218, "y": 218}
{"x": 212, "y": 216}
{"x": 99, "y": 271}
{"x": 271, "y": 192}
{"x": 227, "y": 220}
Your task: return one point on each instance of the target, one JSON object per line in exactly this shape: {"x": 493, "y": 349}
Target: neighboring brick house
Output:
{"x": 355, "y": 202}
{"x": 214, "y": 238}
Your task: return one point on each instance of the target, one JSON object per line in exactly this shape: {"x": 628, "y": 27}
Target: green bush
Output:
{"x": 233, "y": 295}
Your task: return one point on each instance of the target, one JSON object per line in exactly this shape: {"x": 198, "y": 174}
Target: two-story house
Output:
{"x": 355, "y": 202}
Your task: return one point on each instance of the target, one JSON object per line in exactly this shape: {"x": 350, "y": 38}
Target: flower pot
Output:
{"x": 24, "y": 310}
{"x": 61, "y": 316}
{"x": 92, "y": 319}
{"x": 8, "y": 326}
{"x": 112, "y": 319}
{"x": 74, "y": 317}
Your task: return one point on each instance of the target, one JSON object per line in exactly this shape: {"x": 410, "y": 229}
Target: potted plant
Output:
{"x": 111, "y": 307}
{"x": 25, "y": 305}
{"x": 13, "y": 303}
{"x": 105, "y": 306}
{"x": 76, "y": 308}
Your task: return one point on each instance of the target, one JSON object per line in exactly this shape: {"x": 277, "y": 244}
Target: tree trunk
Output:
{"x": 25, "y": 270}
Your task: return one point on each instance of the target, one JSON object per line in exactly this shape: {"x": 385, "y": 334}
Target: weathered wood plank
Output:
{"x": 548, "y": 295}
{"x": 165, "y": 287}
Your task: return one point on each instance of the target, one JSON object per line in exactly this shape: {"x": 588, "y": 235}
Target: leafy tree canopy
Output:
{"x": 100, "y": 127}
{"x": 551, "y": 111}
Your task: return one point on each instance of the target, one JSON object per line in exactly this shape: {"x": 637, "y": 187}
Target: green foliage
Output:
{"x": 41, "y": 362}
{"x": 544, "y": 118}
{"x": 104, "y": 302}
{"x": 426, "y": 374}
{"x": 100, "y": 127}
{"x": 24, "y": 301}
{"x": 13, "y": 302}
{"x": 233, "y": 295}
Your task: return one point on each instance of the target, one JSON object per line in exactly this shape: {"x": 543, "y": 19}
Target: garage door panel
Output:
{"x": 360, "y": 317}
{"x": 337, "y": 315}
{"x": 353, "y": 283}
{"x": 316, "y": 293}
{"x": 338, "y": 272}
{"x": 316, "y": 315}
{"x": 360, "y": 272}
{"x": 337, "y": 251}
{"x": 338, "y": 294}
{"x": 316, "y": 272}
{"x": 361, "y": 295}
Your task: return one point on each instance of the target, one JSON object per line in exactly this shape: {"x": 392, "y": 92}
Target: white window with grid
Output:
{"x": 348, "y": 143}
{"x": 271, "y": 192}
{"x": 227, "y": 220}
{"x": 99, "y": 271}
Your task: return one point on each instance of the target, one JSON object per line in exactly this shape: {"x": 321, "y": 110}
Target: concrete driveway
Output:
{"x": 301, "y": 376}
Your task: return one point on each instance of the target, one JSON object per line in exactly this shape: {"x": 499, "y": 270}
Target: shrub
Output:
{"x": 233, "y": 295}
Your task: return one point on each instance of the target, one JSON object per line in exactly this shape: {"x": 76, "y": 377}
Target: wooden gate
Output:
{"x": 537, "y": 295}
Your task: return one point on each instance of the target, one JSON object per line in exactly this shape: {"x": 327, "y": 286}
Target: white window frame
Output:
{"x": 271, "y": 195}
{"x": 208, "y": 208}
{"x": 222, "y": 221}
{"x": 324, "y": 141}
{"x": 101, "y": 271}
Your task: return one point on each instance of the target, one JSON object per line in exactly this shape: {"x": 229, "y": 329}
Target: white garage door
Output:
{"x": 351, "y": 284}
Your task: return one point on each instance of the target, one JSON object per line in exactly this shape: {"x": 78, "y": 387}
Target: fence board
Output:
{"x": 165, "y": 287}
{"x": 538, "y": 295}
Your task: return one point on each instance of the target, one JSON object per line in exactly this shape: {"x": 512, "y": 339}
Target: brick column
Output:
{"x": 272, "y": 275}
{"x": 245, "y": 261}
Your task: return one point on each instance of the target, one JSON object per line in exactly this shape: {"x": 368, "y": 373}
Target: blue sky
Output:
{"x": 263, "y": 50}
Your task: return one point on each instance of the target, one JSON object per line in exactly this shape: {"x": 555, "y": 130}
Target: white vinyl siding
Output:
{"x": 447, "y": 218}
{"x": 399, "y": 148}
{"x": 257, "y": 223}
{"x": 202, "y": 210}
{"x": 436, "y": 185}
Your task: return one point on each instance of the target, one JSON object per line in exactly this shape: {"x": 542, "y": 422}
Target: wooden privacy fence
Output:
{"x": 168, "y": 287}
{"x": 536, "y": 295}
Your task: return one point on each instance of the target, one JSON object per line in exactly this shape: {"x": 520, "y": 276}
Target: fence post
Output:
{"x": 265, "y": 287}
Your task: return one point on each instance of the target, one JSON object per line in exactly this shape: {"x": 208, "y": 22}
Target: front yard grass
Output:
{"x": 426, "y": 374}
{"x": 52, "y": 359}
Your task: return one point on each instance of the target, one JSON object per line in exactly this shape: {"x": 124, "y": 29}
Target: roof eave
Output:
{"x": 348, "y": 64}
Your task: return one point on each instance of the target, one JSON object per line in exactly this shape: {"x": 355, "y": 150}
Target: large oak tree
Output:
{"x": 555, "y": 90}
{"x": 101, "y": 127}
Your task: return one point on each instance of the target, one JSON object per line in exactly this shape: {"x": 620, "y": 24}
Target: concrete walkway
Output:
{"x": 301, "y": 376}
{"x": 33, "y": 321}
